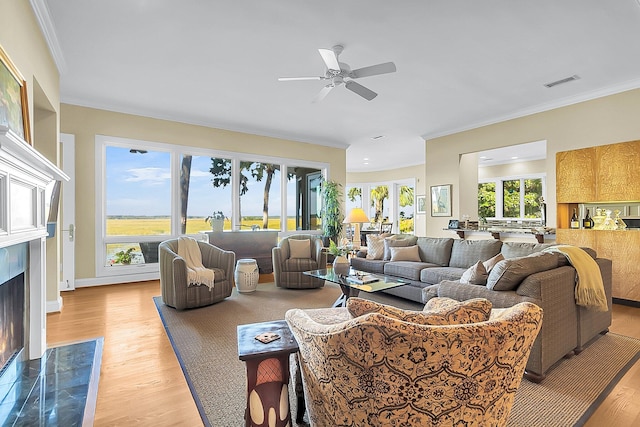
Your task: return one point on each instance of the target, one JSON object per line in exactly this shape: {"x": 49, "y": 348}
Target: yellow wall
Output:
{"x": 85, "y": 123}
{"x": 600, "y": 121}
{"x": 22, "y": 40}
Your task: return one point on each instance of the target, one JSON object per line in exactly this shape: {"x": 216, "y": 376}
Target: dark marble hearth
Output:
{"x": 59, "y": 389}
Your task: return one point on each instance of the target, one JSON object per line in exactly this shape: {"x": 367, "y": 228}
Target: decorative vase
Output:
{"x": 341, "y": 265}
{"x": 217, "y": 224}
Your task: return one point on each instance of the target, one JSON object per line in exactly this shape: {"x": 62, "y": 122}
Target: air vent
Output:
{"x": 562, "y": 81}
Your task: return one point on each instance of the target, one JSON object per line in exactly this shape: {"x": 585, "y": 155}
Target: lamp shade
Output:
{"x": 356, "y": 216}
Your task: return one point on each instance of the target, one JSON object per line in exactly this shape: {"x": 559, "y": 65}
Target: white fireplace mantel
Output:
{"x": 24, "y": 176}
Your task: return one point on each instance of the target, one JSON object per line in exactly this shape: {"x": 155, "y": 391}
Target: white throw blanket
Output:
{"x": 589, "y": 290}
{"x": 197, "y": 274}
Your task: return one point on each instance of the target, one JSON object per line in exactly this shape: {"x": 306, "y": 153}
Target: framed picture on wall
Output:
{"x": 421, "y": 204}
{"x": 14, "y": 112}
{"x": 441, "y": 200}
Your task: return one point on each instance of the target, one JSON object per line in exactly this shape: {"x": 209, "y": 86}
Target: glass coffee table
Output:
{"x": 349, "y": 285}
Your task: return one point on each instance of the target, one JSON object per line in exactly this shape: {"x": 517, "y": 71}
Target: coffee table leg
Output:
{"x": 347, "y": 292}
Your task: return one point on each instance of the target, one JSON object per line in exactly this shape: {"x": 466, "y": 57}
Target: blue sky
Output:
{"x": 139, "y": 185}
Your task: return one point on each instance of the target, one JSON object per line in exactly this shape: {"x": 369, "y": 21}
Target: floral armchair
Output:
{"x": 378, "y": 370}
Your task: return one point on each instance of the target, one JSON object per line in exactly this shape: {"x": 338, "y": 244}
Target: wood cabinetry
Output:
{"x": 622, "y": 247}
{"x": 602, "y": 174}
{"x": 617, "y": 177}
{"x": 575, "y": 173}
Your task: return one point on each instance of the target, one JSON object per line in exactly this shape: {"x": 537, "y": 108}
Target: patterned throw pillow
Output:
{"x": 300, "y": 248}
{"x": 471, "y": 311}
{"x": 460, "y": 312}
{"x": 475, "y": 275}
{"x": 375, "y": 246}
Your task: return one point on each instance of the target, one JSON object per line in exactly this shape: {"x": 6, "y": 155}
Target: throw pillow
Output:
{"x": 491, "y": 262}
{"x": 375, "y": 246}
{"x": 460, "y": 312}
{"x": 509, "y": 273}
{"x": 475, "y": 275}
{"x": 394, "y": 242}
{"x": 300, "y": 248}
{"x": 410, "y": 253}
{"x": 471, "y": 311}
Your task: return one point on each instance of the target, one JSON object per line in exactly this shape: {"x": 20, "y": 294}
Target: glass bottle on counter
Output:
{"x": 575, "y": 223}
{"x": 587, "y": 222}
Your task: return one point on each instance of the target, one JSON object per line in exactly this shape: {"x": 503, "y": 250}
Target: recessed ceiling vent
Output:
{"x": 562, "y": 81}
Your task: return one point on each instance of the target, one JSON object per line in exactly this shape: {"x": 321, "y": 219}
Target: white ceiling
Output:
{"x": 460, "y": 64}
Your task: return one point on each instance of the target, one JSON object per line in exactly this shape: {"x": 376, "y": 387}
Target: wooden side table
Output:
{"x": 267, "y": 373}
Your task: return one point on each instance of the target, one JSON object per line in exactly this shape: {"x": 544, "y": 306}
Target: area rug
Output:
{"x": 205, "y": 343}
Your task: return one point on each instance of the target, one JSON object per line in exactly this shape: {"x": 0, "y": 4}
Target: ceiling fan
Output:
{"x": 340, "y": 73}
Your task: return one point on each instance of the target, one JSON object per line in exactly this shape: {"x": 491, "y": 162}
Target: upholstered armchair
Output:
{"x": 176, "y": 291}
{"x": 378, "y": 370}
{"x": 294, "y": 255}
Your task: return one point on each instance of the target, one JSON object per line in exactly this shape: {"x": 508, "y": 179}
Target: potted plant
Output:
{"x": 331, "y": 212}
{"x": 216, "y": 220}
{"x": 124, "y": 257}
{"x": 340, "y": 262}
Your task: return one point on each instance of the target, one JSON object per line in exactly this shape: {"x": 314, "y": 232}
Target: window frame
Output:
{"x": 499, "y": 183}
{"x": 151, "y": 271}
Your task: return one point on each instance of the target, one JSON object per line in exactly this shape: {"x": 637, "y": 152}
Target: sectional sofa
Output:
{"x": 545, "y": 279}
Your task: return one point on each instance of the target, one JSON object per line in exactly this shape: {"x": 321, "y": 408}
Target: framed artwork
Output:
{"x": 441, "y": 200}
{"x": 421, "y": 204}
{"x": 14, "y": 112}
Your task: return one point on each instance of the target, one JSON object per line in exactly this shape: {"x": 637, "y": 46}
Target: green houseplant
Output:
{"x": 331, "y": 212}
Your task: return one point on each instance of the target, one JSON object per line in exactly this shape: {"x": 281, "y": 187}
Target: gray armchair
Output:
{"x": 176, "y": 291}
{"x": 287, "y": 270}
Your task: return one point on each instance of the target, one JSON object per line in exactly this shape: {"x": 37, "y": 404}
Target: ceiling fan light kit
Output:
{"x": 339, "y": 73}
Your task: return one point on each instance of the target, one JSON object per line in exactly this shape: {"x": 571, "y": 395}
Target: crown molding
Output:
{"x": 41, "y": 12}
{"x": 564, "y": 102}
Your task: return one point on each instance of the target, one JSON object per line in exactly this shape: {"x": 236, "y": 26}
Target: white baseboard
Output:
{"x": 54, "y": 306}
{"x": 113, "y": 280}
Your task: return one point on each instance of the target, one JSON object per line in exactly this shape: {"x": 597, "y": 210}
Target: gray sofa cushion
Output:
{"x": 465, "y": 253}
{"x": 435, "y": 275}
{"x": 520, "y": 249}
{"x": 405, "y": 269}
{"x": 435, "y": 250}
{"x": 397, "y": 241}
{"x": 508, "y": 274}
{"x": 369, "y": 265}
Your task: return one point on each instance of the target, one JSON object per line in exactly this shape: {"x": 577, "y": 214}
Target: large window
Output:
{"x": 148, "y": 192}
{"x": 519, "y": 198}
{"x": 387, "y": 202}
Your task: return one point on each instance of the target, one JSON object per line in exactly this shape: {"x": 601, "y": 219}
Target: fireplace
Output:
{"x": 11, "y": 319}
{"x": 24, "y": 176}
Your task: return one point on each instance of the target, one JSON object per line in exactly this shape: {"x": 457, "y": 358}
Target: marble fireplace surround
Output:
{"x": 24, "y": 175}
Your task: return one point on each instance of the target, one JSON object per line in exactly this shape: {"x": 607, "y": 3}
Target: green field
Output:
{"x": 149, "y": 226}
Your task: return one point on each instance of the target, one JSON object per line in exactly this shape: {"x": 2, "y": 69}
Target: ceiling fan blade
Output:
{"x": 373, "y": 70}
{"x": 323, "y": 92}
{"x": 367, "y": 94}
{"x": 289, "y": 79}
{"x": 330, "y": 59}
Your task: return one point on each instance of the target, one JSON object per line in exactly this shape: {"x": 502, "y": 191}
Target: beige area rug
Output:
{"x": 205, "y": 342}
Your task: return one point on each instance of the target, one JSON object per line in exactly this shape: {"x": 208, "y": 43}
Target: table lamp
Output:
{"x": 356, "y": 217}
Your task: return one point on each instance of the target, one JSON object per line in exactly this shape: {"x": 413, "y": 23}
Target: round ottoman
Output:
{"x": 246, "y": 275}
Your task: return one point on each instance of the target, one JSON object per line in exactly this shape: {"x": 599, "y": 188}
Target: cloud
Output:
{"x": 151, "y": 176}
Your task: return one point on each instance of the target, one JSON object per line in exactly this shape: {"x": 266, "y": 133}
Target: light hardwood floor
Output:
{"x": 141, "y": 382}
